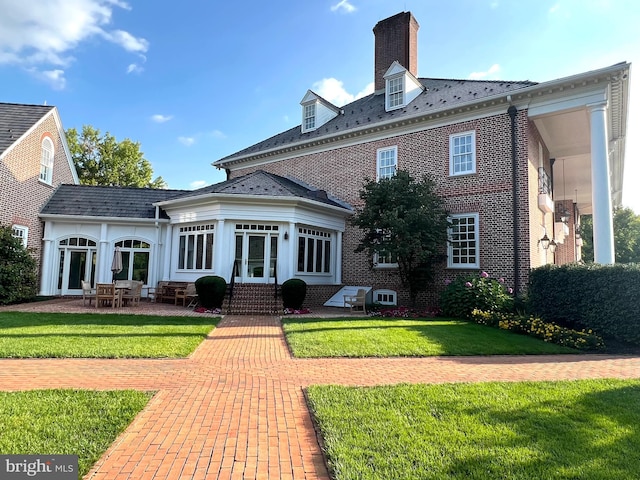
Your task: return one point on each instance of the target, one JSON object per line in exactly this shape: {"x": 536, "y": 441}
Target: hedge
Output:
{"x": 604, "y": 298}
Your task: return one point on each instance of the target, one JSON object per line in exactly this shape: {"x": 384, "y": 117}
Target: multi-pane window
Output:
{"x": 195, "y": 247}
{"x": 314, "y": 251}
{"x": 395, "y": 92}
{"x": 387, "y": 162}
{"x": 462, "y": 153}
{"x": 463, "y": 241}
{"x": 309, "y": 117}
{"x": 135, "y": 260}
{"x": 384, "y": 258}
{"x": 46, "y": 161}
{"x": 21, "y": 233}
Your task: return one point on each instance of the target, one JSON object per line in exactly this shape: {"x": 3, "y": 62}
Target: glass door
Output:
{"x": 255, "y": 257}
{"x": 77, "y": 265}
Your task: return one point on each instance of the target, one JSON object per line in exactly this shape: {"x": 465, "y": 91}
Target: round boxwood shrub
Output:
{"x": 467, "y": 293}
{"x": 293, "y": 292}
{"x": 211, "y": 290}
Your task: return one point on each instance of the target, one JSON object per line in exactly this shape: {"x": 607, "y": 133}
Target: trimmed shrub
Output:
{"x": 464, "y": 294}
{"x": 18, "y": 277}
{"x": 294, "y": 291}
{"x": 211, "y": 290}
{"x": 536, "y": 327}
{"x": 603, "y": 298}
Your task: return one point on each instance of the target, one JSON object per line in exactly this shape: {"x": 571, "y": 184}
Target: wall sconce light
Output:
{"x": 552, "y": 246}
{"x": 544, "y": 241}
{"x": 286, "y": 235}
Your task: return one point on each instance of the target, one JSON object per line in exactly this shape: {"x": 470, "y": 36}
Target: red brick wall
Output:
{"x": 396, "y": 38}
{"x": 342, "y": 173}
{"x": 22, "y": 195}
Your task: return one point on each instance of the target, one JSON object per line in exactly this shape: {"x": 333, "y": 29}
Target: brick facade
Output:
{"x": 488, "y": 192}
{"x": 22, "y": 194}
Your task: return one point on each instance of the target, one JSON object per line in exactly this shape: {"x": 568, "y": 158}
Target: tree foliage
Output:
{"x": 102, "y": 160}
{"x": 626, "y": 236}
{"x": 404, "y": 219}
{"x": 18, "y": 278}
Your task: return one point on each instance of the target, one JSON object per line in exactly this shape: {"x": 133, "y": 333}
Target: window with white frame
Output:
{"x": 464, "y": 248}
{"x": 387, "y": 163}
{"x": 395, "y": 92}
{"x": 309, "y": 117}
{"x": 135, "y": 260}
{"x": 383, "y": 258}
{"x": 20, "y": 232}
{"x": 46, "y": 161}
{"x": 462, "y": 153}
{"x": 314, "y": 251}
{"x": 195, "y": 247}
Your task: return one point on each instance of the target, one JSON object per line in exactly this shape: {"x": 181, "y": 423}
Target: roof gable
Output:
{"x": 16, "y": 120}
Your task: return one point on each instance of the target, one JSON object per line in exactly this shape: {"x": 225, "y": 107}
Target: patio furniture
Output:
{"x": 88, "y": 293}
{"x": 133, "y": 294}
{"x": 185, "y": 294}
{"x": 106, "y": 293}
{"x": 167, "y": 290}
{"x": 357, "y": 300}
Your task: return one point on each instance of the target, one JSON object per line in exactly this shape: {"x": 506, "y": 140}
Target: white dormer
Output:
{"x": 316, "y": 111}
{"x": 401, "y": 87}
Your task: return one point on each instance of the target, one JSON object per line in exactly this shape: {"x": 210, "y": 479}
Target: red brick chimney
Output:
{"x": 396, "y": 39}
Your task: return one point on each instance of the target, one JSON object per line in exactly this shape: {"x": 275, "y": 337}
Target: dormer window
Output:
{"x": 395, "y": 89}
{"x": 309, "y": 117}
{"x": 316, "y": 111}
{"x": 401, "y": 87}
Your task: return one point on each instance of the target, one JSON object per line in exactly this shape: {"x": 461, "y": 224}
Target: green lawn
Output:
{"x": 392, "y": 337}
{"x": 71, "y": 422}
{"x": 47, "y": 335}
{"x": 587, "y": 430}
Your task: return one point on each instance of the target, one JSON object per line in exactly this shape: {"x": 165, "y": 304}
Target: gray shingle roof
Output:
{"x": 367, "y": 111}
{"x": 98, "y": 201}
{"x": 264, "y": 183}
{"x": 16, "y": 119}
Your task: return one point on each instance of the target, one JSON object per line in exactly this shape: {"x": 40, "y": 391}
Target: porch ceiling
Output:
{"x": 567, "y": 136}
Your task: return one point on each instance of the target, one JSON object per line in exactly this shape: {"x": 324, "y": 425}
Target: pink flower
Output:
{"x": 468, "y": 285}
{"x": 447, "y": 281}
{"x": 510, "y": 290}
{"x": 484, "y": 274}
{"x": 501, "y": 280}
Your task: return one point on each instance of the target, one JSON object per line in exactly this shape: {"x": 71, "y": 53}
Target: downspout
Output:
{"x": 513, "y": 111}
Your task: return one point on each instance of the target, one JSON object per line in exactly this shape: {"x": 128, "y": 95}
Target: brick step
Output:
{"x": 253, "y": 299}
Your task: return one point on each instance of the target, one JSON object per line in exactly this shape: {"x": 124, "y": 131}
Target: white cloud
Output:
{"x": 218, "y": 134}
{"x": 55, "y": 78}
{"x": 333, "y": 90}
{"x": 134, "y": 68}
{"x": 187, "y": 141}
{"x": 47, "y": 35}
{"x": 344, "y": 6}
{"x": 198, "y": 184}
{"x": 159, "y": 118}
{"x": 491, "y": 74}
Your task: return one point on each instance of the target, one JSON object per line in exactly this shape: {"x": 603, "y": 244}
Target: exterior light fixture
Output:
{"x": 552, "y": 246}
{"x": 286, "y": 235}
{"x": 545, "y": 242}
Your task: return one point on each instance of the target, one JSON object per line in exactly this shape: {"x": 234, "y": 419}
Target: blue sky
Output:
{"x": 194, "y": 81}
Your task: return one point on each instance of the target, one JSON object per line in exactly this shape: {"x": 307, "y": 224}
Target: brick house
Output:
{"x": 517, "y": 163}
{"x": 34, "y": 160}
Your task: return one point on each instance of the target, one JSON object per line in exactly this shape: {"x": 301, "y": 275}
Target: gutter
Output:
{"x": 513, "y": 111}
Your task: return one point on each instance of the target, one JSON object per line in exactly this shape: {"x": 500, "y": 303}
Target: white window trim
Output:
{"x": 473, "y": 153}
{"x": 46, "y": 163}
{"x": 402, "y": 92}
{"x": 450, "y": 263}
{"x": 315, "y": 234}
{"x": 195, "y": 231}
{"x": 379, "y": 153}
{"x": 24, "y": 233}
{"x": 305, "y": 117}
{"x": 382, "y": 265}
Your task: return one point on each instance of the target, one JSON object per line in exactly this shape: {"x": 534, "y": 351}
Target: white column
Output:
{"x": 219, "y": 266}
{"x": 292, "y": 264}
{"x": 338, "y": 277}
{"x": 603, "y": 248}
{"x": 168, "y": 245}
{"x": 105, "y": 275}
{"x": 46, "y": 286}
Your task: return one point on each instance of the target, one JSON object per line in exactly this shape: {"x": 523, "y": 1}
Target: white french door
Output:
{"x": 256, "y": 255}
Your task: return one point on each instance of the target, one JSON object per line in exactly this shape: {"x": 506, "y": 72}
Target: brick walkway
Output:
{"x": 235, "y": 409}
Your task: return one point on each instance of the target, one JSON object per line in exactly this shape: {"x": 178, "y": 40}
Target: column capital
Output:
{"x": 598, "y": 105}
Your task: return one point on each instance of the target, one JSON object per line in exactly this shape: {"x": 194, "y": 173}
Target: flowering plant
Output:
{"x": 464, "y": 294}
{"x": 296, "y": 311}
{"x": 216, "y": 311}
{"x": 404, "y": 312}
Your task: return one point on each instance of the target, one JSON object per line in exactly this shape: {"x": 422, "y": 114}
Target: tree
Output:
{"x": 405, "y": 220}
{"x": 102, "y": 160}
{"x": 626, "y": 236}
{"x": 18, "y": 277}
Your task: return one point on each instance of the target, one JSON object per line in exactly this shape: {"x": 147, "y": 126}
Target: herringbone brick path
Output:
{"x": 235, "y": 409}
